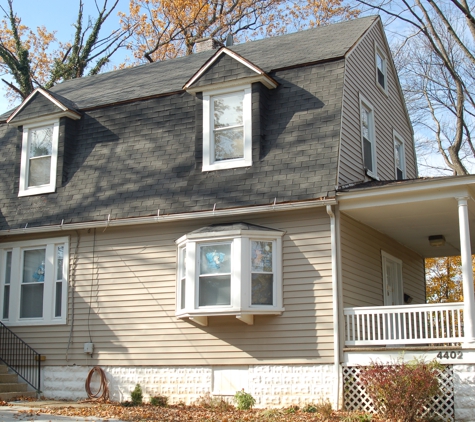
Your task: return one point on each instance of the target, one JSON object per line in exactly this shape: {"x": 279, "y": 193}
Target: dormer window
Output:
{"x": 39, "y": 156}
{"x": 227, "y": 128}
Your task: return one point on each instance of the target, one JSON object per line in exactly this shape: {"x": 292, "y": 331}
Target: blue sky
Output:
{"x": 58, "y": 15}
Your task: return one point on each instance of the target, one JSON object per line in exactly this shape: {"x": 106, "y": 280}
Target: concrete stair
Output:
{"x": 10, "y": 386}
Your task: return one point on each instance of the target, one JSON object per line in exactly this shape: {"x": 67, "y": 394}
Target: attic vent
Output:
{"x": 205, "y": 44}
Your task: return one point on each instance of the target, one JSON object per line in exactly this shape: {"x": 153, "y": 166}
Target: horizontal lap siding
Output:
{"x": 124, "y": 301}
{"x": 362, "y": 276}
{"x": 389, "y": 114}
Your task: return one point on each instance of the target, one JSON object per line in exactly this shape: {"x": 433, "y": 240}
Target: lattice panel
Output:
{"x": 441, "y": 406}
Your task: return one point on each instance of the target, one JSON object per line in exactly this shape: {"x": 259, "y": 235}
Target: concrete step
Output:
{"x": 3, "y": 369}
{"x": 16, "y": 395}
{"x": 7, "y": 387}
{"x": 8, "y": 378}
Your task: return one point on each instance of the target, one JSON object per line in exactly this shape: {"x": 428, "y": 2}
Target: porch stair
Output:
{"x": 10, "y": 387}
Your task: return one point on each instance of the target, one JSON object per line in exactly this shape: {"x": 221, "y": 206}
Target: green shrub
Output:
{"x": 292, "y": 409}
{"x": 136, "y": 395}
{"x": 309, "y": 408}
{"x": 400, "y": 390}
{"x": 161, "y": 401}
{"x": 244, "y": 401}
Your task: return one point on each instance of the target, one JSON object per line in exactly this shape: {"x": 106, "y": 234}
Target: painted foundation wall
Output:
{"x": 270, "y": 385}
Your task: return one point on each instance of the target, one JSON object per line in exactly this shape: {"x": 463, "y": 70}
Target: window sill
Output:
{"x": 246, "y": 316}
{"x": 31, "y": 322}
{"x": 37, "y": 191}
{"x": 227, "y": 164}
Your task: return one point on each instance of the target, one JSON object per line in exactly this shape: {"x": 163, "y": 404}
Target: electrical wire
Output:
{"x": 103, "y": 391}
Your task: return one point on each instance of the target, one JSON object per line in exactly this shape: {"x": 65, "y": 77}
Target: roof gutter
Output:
{"x": 133, "y": 221}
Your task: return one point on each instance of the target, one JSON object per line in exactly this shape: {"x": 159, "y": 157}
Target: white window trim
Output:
{"x": 240, "y": 274}
{"x": 49, "y": 286}
{"x": 372, "y": 129}
{"x": 208, "y": 151}
{"x": 399, "y": 139}
{"x": 379, "y": 51}
{"x": 24, "y": 190}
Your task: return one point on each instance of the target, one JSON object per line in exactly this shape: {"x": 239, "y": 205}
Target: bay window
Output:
{"x": 231, "y": 270}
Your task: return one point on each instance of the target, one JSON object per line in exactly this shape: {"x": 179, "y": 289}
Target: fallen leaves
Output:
{"x": 181, "y": 413}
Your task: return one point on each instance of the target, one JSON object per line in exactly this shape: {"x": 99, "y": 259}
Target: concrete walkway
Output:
{"x": 27, "y": 411}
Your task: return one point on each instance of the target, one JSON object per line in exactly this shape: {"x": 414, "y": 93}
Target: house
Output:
{"x": 244, "y": 217}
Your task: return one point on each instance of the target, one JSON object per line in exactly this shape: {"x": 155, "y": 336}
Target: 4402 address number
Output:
{"x": 453, "y": 354}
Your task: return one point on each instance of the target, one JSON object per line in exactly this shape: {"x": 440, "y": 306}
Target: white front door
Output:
{"x": 392, "y": 280}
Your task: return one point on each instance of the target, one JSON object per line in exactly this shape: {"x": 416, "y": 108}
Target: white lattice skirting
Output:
{"x": 442, "y": 406}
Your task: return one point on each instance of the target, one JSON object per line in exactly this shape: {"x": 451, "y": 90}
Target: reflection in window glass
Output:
{"x": 215, "y": 275}
{"x": 6, "y": 288}
{"x": 32, "y": 289}
{"x": 228, "y": 126}
{"x": 262, "y": 279}
{"x": 40, "y": 151}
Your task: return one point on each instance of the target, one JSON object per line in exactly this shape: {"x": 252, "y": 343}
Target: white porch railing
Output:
{"x": 404, "y": 325}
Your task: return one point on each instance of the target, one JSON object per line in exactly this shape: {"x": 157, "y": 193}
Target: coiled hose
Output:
{"x": 103, "y": 391}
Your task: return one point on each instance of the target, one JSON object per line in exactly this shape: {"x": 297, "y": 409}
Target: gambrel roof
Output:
{"x": 136, "y": 147}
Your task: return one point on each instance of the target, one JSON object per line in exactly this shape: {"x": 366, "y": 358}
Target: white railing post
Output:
{"x": 467, "y": 273}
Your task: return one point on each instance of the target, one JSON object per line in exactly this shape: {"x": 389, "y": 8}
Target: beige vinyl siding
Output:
{"x": 361, "y": 265}
{"x": 389, "y": 114}
{"x": 124, "y": 301}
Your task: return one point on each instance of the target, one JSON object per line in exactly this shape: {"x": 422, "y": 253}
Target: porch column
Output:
{"x": 467, "y": 273}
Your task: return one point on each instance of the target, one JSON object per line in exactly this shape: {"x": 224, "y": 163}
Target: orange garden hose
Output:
{"x": 103, "y": 391}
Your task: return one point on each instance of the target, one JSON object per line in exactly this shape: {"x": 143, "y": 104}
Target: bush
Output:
{"x": 244, "y": 401}
{"x": 161, "y": 401}
{"x": 400, "y": 390}
{"x": 136, "y": 395}
{"x": 215, "y": 403}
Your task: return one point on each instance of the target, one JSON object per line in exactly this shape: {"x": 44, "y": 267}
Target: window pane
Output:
{"x": 381, "y": 80}
{"x": 58, "y": 299}
{"x": 229, "y": 144}
{"x": 368, "y": 154}
{"x": 262, "y": 289}
{"x": 8, "y": 267}
{"x": 261, "y": 256}
{"x": 183, "y": 294}
{"x": 59, "y": 262}
{"x": 215, "y": 290}
{"x": 31, "y": 304}
{"x": 215, "y": 259}
{"x": 39, "y": 172}
{"x": 34, "y": 266}
{"x": 228, "y": 110}
{"x": 6, "y": 302}
{"x": 41, "y": 141}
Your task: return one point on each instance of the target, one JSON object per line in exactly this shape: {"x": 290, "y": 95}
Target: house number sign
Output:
{"x": 450, "y": 355}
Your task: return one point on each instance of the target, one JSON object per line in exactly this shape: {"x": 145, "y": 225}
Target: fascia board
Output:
{"x": 402, "y": 195}
{"x": 72, "y": 114}
{"x": 264, "y": 78}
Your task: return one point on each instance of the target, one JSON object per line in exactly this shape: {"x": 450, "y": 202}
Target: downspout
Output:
{"x": 336, "y": 324}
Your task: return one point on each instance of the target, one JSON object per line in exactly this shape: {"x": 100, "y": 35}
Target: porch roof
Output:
{"x": 410, "y": 211}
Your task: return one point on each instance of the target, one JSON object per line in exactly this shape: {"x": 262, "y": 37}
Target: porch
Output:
{"x": 431, "y": 218}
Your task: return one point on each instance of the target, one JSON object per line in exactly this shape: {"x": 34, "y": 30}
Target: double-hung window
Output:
{"x": 368, "y": 137}
{"x": 399, "y": 161}
{"x": 33, "y": 277}
{"x": 381, "y": 70}
{"x": 230, "y": 272}
{"x": 227, "y": 128}
{"x": 39, "y": 156}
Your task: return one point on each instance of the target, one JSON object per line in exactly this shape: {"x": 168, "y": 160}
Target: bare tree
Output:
{"x": 27, "y": 55}
{"x": 435, "y": 57}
